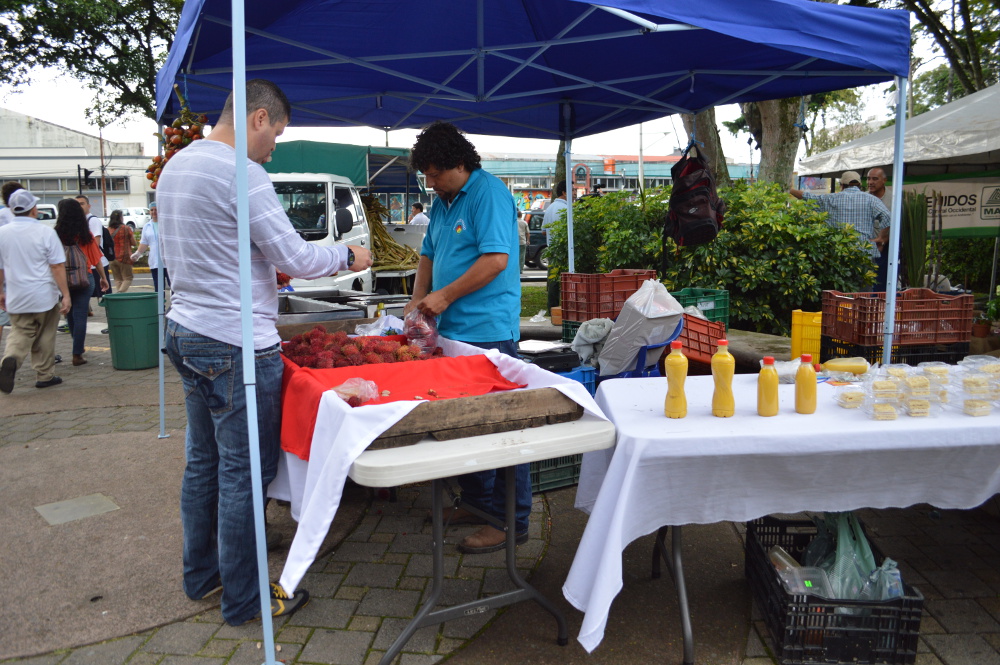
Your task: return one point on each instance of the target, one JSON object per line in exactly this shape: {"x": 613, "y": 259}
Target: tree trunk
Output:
{"x": 779, "y": 139}
{"x": 708, "y": 133}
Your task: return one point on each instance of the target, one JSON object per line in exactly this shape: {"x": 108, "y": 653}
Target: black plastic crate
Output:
{"x": 809, "y": 630}
{"x": 910, "y": 354}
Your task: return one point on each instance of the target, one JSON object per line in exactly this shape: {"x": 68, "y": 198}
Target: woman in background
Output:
{"x": 73, "y": 229}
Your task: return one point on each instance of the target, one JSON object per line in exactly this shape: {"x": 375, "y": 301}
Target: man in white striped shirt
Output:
{"x": 196, "y": 197}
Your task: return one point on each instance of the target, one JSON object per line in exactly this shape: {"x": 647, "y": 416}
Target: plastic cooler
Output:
{"x": 807, "y": 328}
{"x": 132, "y": 329}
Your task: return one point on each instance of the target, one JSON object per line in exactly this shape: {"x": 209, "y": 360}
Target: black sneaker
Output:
{"x": 63, "y": 328}
{"x": 282, "y": 604}
{"x": 7, "y": 370}
{"x": 54, "y": 381}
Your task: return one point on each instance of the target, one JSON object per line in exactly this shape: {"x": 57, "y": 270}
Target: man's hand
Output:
{"x": 65, "y": 304}
{"x": 104, "y": 283}
{"x": 410, "y": 306}
{"x": 434, "y": 303}
{"x": 362, "y": 259}
{"x": 3, "y": 300}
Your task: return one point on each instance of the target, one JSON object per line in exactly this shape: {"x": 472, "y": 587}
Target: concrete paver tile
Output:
{"x": 249, "y": 654}
{"x": 143, "y": 658}
{"x": 294, "y": 635}
{"x": 927, "y": 659}
{"x": 470, "y": 572}
{"x": 422, "y": 565}
{"x": 342, "y": 567}
{"x": 191, "y": 660}
{"x": 359, "y": 552}
{"x": 952, "y": 557}
{"x": 47, "y": 659}
{"x": 375, "y": 657}
{"x": 413, "y": 583}
{"x": 400, "y": 524}
{"x": 321, "y": 585}
{"x": 958, "y": 584}
{"x": 466, "y": 627}
{"x": 337, "y": 647}
{"x": 446, "y": 645}
{"x": 180, "y": 638}
{"x": 389, "y": 603}
{"x": 962, "y": 616}
{"x": 351, "y": 593}
{"x": 324, "y": 612}
{"x": 380, "y": 538}
{"x": 993, "y": 639}
{"x": 419, "y": 659}
{"x": 366, "y": 624}
{"x": 400, "y": 558}
{"x": 497, "y": 581}
{"x": 963, "y": 650}
{"x": 930, "y": 626}
{"x": 374, "y": 575}
{"x": 455, "y": 591}
{"x": 422, "y": 641}
{"x": 251, "y": 630}
{"x": 991, "y": 605}
{"x": 219, "y": 648}
{"x": 114, "y": 652}
{"x": 411, "y": 543}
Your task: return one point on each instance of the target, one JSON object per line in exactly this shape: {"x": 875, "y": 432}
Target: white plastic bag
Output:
{"x": 649, "y": 316}
{"x": 383, "y": 325}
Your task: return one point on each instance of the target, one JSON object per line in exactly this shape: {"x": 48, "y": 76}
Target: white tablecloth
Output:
{"x": 702, "y": 469}
{"x": 342, "y": 433}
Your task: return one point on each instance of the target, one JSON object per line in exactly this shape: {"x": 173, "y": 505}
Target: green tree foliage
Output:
{"x": 774, "y": 254}
{"x": 115, "y": 47}
{"x": 965, "y": 261}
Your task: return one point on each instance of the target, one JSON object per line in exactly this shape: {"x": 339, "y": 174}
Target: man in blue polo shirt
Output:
{"x": 467, "y": 280}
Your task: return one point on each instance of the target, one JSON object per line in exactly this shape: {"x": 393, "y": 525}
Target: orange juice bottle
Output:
{"x": 767, "y": 389}
{"x": 676, "y": 367}
{"x": 723, "y": 367}
{"x": 805, "y": 386}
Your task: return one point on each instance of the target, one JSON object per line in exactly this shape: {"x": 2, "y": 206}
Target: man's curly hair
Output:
{"x": 443, "y": 146}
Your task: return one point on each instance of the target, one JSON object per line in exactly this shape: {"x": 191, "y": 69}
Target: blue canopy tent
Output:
{"x": 556, "y": 69}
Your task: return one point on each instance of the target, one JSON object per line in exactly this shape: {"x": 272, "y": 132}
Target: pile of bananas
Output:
{"x": 389, "y": 254}
{"x": 186, "y": 128}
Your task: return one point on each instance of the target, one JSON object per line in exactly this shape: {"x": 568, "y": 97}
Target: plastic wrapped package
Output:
{"x": 939, "y": 370}
{"x": 357, "y": 391}
{"x": 849, "y": 397}
{"x": 881, "y": 408}
{"x": 421, "y": 331}
{"x": 896, "y": 370}
{"x": 649, "y": 316}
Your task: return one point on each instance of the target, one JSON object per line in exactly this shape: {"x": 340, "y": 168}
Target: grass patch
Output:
{"x": 533, "y": 300}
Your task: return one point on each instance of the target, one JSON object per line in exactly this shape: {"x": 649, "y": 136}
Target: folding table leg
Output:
{"x": 676, "y": 565}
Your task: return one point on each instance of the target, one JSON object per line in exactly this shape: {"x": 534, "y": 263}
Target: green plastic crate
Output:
{"x": 552, "y": 474}
{"x": 569, "y": 329}
{"x": 713, "y": 303}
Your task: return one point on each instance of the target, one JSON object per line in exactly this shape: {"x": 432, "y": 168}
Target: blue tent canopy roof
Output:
{"x": 529, "y": 68}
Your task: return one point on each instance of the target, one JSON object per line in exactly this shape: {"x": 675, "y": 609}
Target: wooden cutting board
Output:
{"x": 480, "y": 414}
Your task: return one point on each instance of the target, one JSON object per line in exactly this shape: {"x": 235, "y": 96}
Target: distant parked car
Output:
{"x": 47, "y": 214}
{"x": 535, "y": 255}
{"x": 135, "y": 217}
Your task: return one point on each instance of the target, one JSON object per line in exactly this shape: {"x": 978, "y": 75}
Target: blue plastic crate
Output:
{"x": 584, "y": 374}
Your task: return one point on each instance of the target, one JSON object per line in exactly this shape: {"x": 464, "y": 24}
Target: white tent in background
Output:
{"x": 960, "y": 137}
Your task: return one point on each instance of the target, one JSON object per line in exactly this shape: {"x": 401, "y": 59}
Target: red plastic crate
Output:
{"x": 700, "y": 338}
{"x": 599, "y": 296}
{"x": 922, "y": 317}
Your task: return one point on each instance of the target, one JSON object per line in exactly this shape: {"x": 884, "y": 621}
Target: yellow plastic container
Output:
{"x": 805, "y": 386}
{"x": 676, "y": 364}
{"x": 767, "y": 389}
{"x": 723, "y": 368}
{"x": 807, "y": 327}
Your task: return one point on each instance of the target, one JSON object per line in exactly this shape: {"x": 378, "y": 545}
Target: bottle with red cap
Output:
{"x": 723, "y": 368}
{"x": 767, "y": 389}
{"x": 676, "y": 367}
{"x": 805, "y": 386}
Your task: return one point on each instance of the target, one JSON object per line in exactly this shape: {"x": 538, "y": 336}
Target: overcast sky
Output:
{"x": 62, "y": 100}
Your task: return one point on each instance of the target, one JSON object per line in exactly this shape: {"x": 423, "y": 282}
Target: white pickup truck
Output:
{"x": 326, "y": 209}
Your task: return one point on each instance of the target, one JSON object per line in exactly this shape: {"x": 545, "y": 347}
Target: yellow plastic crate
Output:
{"x": 807, "y": 328}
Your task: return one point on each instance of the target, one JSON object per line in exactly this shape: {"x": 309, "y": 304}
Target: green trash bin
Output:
{"x": 133, "y": 329}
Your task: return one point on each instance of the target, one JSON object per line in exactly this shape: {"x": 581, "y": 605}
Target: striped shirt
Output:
{"x": 196, "y": 197}
{"x": 852, "y": 207}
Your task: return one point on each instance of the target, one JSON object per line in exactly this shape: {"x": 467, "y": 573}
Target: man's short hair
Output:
{"x": 8, "y": 189}
{"x": 82, "y": 196}
{"x": 559, "y": 189}
{"x": 419, "y": 206}
{"x": 443, "y": 146}
{"x": 261, "y": 94}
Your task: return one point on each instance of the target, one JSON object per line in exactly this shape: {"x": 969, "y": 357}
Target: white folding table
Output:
{"x": 702, "y": 470}
{"x": 436, "y": 460}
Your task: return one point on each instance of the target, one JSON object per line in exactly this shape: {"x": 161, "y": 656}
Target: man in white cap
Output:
{"x": 852, "y": 207}
{"x": 33, "y": 269}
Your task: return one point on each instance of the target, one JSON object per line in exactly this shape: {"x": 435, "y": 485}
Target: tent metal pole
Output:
{"x": 160, "y": 314}
{"x": 894, "y": 230}
{"x": 569, "y": 204}
{"x": 993, "y": 273}
{"x": 246, "y": 320}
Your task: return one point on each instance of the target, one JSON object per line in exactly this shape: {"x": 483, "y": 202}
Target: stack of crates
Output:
{"x": 596, "y": 296}
{"x": 700, "y": 336}
{"x": 928, "y": 326}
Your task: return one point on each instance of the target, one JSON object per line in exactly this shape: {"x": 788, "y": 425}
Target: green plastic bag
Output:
{"x": 854, "y": 560}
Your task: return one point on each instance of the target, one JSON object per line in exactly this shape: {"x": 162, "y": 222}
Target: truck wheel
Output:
{"x": 542, "y": 259}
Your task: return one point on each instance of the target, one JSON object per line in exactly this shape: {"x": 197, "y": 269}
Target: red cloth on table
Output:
{"x": 302, "y": 388}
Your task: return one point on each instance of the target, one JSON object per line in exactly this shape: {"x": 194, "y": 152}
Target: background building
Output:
{"x": 49, "y": 160}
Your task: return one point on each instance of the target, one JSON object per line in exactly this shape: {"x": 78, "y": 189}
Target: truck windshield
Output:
{"x": 305, "y": 205}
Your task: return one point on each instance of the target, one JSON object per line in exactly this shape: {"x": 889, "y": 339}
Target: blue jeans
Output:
{"x": 487, "y": 490}
{"x": 77, "y": 317}
{"x": 216, "y": 493}
{"x": 156, "y": 278}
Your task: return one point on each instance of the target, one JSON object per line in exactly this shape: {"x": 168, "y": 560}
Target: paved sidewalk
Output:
{"x": 365, "y": 589}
